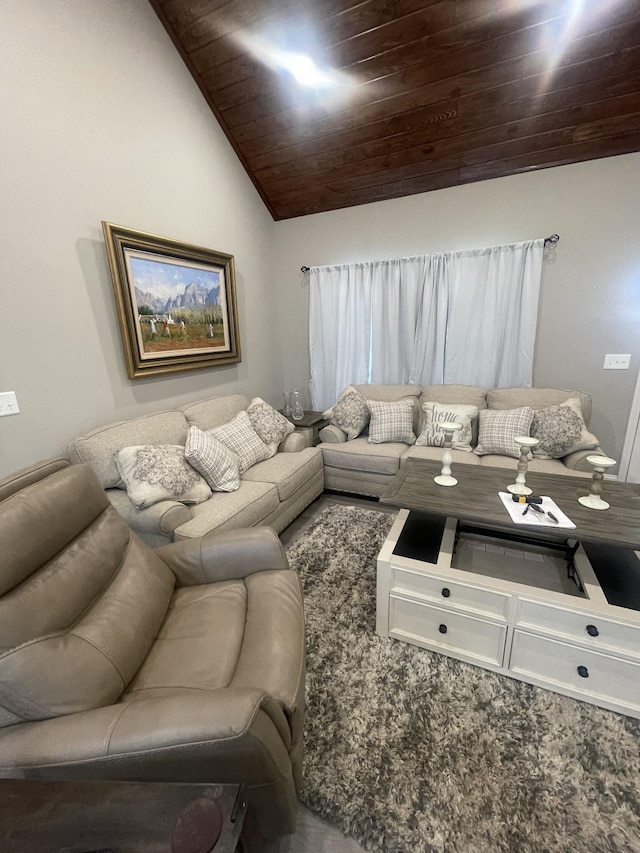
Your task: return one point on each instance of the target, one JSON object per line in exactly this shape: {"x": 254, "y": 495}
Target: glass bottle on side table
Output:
{"x": 297, "y": 410}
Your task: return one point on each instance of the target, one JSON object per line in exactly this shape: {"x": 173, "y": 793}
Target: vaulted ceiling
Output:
{"x": 408, "y": 96}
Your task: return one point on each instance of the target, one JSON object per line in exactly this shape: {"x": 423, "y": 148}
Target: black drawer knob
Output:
{"x": 446, "y": 592}
{"x": 592, "y": 631}
{"x": 442, "y": 629}
{"x": 583, "y": 672}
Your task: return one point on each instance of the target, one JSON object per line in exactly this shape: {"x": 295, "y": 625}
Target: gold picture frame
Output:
{"x": 176, "y": 303}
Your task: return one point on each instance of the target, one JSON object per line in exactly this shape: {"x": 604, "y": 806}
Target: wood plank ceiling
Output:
{"x": 415, "y": 94}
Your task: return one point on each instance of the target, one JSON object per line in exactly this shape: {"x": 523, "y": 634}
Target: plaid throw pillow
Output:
{"x": 240, "y": 437}
{"x": 213, "y": 459}
{"x": 498, "y": 430}
{"x": 391, "y": 421}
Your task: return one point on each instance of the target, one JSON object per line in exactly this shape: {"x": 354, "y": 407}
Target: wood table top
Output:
{"x": 475, "y": 499}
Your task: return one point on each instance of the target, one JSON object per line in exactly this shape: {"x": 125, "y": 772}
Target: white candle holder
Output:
{"x": 444, "y": 478}
{"x": 600, "y": 465}
{"x": 526, "y": 443}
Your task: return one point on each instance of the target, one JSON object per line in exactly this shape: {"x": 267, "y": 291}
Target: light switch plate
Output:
{"x": 8, "y": 404}
{"x": 617, "y": 361}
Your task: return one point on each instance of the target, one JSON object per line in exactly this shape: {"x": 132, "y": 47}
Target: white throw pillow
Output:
{"x": 435, "y": 414}
{"x": 153, "y": 473}
{"x": 499, "y": 428}
{"x": 270, "y": 425}
{"x": 561, "y": 430}
{"x": 391, "y": 421}
{"x": 240, "y": 437}
{"x": 350, "y": 413}
{"x": 210, "y": 457}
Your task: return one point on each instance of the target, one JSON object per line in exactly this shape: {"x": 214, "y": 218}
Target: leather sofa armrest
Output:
{"x": 162, "y": 517}
{"x": 117, "y": 741}
{"x": 332, "y": 434}
{"x": 578, "y": 461}
{"x": 231, "y": 554}
{"x": 292, "y": 443}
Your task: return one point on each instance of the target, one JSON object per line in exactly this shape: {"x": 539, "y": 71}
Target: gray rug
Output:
{"x": 408, "y": 750}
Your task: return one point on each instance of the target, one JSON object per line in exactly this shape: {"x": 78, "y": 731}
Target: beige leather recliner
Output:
{"x": 183, "y": 664}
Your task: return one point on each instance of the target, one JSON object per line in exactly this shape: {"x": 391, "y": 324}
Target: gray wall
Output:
{"x": 101, "y": 120}
{"x": 590, "y": 297}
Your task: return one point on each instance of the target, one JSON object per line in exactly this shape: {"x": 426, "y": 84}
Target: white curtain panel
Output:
{"x": 493, "y": 310}
{"x": 459, "y": 317}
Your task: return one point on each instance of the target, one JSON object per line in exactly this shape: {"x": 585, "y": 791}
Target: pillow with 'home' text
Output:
{"x": 435, "y": 414}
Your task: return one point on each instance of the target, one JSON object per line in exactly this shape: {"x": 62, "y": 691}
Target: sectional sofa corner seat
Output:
{"x": 272, "y": 492}
{"x": 359, "y": 467}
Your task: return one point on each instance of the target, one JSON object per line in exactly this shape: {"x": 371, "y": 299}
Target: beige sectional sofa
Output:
{"x": 272, "y": 492}
{"x": 359, "y": 467}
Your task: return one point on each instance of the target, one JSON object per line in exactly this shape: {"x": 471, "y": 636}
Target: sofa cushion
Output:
{"x": 391, "y": 421}
{"x": 210, "y": 457}
{"x": 561, "y": 430}
{"x": 432, "y": 434}
{"x": 153, "y": 473}
{"x": 200, "y": 640}
{"x": 248, "y": 506}
{"x": 435, "y": 453}
{"x": 271, "y": 426}
{"x": 243, "y": 440}
{"x": 360, "y": 455}
{"x": 215, "y": 411}
{"x": 537, "y": 466}
{"x": 287, "y": 471}
{"x": 498, "y": 430}
{"x": 97, "y": 448}
{"x": 470, "y": 395}
{"x": 350, "y": 413}
{"x": 537, "y": 398}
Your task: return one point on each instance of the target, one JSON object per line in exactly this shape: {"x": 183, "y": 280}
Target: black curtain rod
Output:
{"x": 548, "y": 241}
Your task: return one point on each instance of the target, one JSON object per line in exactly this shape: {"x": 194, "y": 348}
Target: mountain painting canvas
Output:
{"x": 176, "y": 302}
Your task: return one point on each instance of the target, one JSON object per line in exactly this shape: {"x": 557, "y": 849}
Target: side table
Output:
{"x": 310, "y": 425}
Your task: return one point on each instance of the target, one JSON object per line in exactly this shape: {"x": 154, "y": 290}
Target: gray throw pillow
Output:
{"x": 270, "y": 425}
{"x": 153, "y": 473}
{"x": 561, "y": 430}
{"x": 350, "y": 413}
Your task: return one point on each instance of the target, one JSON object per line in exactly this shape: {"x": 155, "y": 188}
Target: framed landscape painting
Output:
{"x": 176, "y": 302}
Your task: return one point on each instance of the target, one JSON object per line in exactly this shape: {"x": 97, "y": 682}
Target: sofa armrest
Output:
{"x": 578, "y": 461}
{"x": 292, "y": 443}
{"x": 227, "y": 555}
{"x": 162, "y": 517}
{"x": 117, "y": 741}
{"x": 332, "y": 434}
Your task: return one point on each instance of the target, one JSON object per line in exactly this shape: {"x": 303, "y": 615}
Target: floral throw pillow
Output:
{"x": 218, "y": 465}
{"x": 271, "y": 426}
{"x": 240, "y": 437}
{"x": 435, "y": 414}
{"x": 350, "y": 413}
{"x": 391, "y": 421}
{"x": 153, "y": 473}
{"x": 561, "y": 430}
{"x": 499, "y": 428}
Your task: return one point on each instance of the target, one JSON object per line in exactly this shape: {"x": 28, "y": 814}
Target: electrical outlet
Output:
{"x": 617, "y": 361}
{"x": 8, "y": 403}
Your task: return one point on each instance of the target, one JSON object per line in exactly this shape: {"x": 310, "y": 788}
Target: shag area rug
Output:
{"x": 409, "y": 751}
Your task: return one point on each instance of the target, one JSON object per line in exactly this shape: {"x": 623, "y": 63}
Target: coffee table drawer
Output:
{"x": 447, "y": 630}
{"x": 591, "y": 630}
{"x": 580, "y": 670}
{"x": 443, "y": 591}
